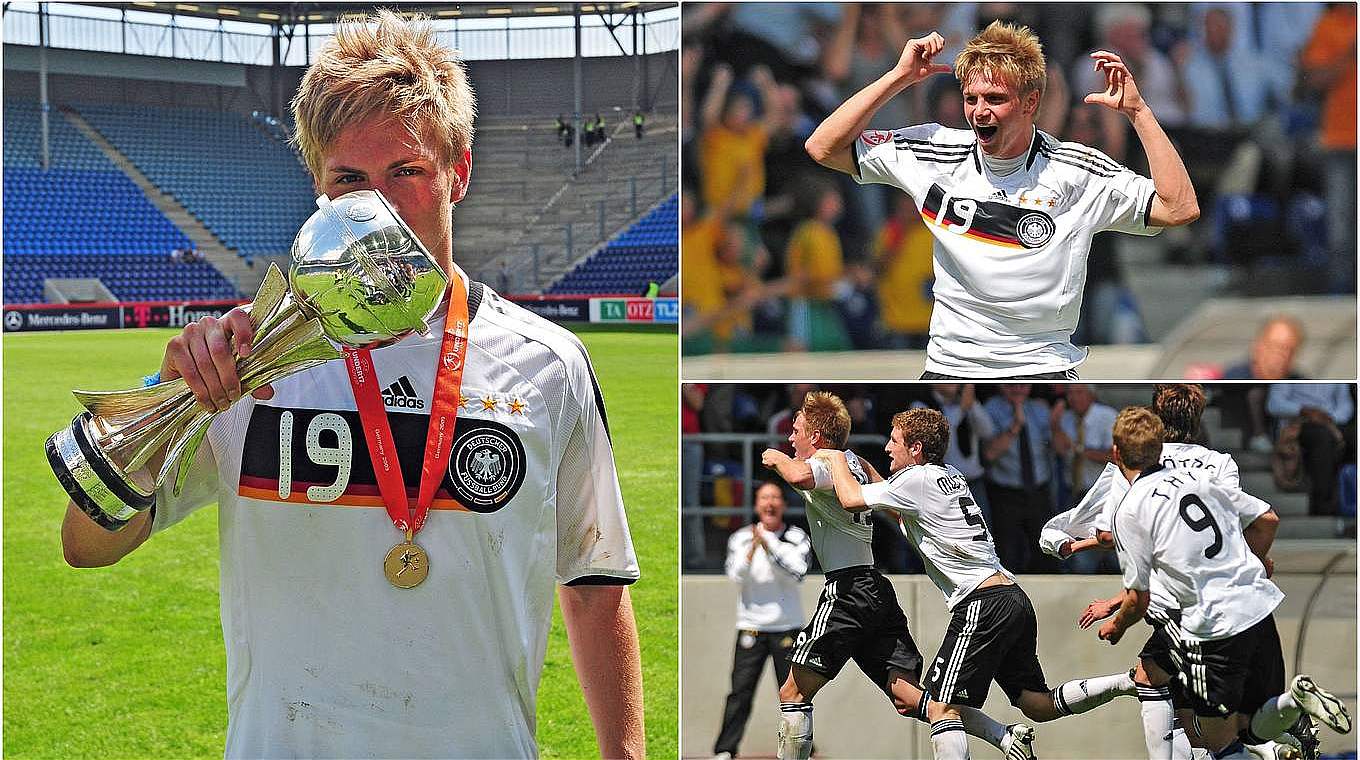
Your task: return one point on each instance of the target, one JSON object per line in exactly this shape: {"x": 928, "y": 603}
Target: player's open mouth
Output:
{"x": 985, "y": 134}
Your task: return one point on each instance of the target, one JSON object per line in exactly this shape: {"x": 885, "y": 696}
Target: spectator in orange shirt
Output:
{"x": 1329, "y": 67}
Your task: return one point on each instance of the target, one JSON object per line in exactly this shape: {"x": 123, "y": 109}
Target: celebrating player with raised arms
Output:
{"x": 1182, "y": 526}
{"x": 857, "y": 615}
{"x": 992, "y": 630}
{"x": 1012, "y": 209}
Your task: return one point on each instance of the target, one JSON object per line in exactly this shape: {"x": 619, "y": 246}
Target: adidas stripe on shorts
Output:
{"x": 857, "y": 618}
{"x": 992, "y": 635}
{"x": 1236, "y": 674}
{"x": 1158, "y": 650}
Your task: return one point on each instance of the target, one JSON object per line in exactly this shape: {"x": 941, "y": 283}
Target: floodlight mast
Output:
{"x": 45, "y": 106}
{"x": 576, "y": 81}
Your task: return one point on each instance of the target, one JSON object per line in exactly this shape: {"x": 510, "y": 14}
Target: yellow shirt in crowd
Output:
{"x": 733, "y": 167}
{"x": 814, "y": 258}
{"x": 700, "y": 281}
{"x": 904, "y": 253}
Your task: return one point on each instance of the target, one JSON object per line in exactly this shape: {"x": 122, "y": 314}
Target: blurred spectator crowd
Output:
{"x": 780, "y": 254}
{"x": 1028, "y": 452}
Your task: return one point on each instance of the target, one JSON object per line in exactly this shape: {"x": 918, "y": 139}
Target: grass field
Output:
{"x": 128, "y": 661}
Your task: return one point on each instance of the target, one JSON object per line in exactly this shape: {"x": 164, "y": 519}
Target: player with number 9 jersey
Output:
{"x": 1185, "y": 526}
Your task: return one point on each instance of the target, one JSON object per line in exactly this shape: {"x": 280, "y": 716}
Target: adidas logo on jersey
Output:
{"x": 963, "y": 694}
{"x": 402, "y": 395}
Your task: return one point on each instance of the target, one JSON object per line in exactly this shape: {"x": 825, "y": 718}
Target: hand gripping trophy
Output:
{"x": 359, "y": 277}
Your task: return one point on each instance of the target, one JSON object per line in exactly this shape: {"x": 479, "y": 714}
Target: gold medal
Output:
{"x": 406, "y": 565}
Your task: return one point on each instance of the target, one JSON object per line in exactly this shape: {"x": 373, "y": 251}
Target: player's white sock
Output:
{"x": 1180, "y": 741}
{"x": 1273, "y": 717}
{"x": 795, "y": 730}
{"x": 1159, "y": 722}
{"x": 1089, "y": 693}
{"x": 975, "y": 722}
{"x": 980, "y": 724}
{"x": 948, "y": 739}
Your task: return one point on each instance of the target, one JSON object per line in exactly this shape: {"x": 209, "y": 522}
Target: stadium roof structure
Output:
{"x": 287, "y": 14}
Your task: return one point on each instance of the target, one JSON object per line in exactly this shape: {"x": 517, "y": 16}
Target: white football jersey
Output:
{"x": 1216, "y": 465}
{"x": 840, "y": 538}
{"x": 325, "y": 658}
{"x": 1010, "y": 252}
{"x": 1186, "y": 527}
{"x": 1096, "y": 509}
{"x": 941, "y": 519}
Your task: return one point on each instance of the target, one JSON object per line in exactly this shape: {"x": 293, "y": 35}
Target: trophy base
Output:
{"x": 93, "y": 484}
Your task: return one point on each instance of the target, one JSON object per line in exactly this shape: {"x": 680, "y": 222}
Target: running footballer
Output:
{"x": 1012, "y": 209}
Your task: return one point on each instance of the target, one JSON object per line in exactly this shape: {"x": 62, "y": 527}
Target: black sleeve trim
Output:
{"x": 854, "y": 155}
{"x": 475, "y": 293}
{"x": 600, "y": 580}
{"x": 595, "y": 384}
{"x": 1147, "y": 212}
{"x": 1033, "y": 150}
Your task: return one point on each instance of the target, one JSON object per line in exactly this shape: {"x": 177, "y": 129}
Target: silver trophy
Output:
{"x": 359, "y": 277}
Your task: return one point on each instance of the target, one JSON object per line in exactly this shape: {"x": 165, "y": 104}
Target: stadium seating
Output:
{"x": 130, "y": 276}
{"x": 249, "y": 189}
{"x": 84, "y": 218}
{"x": 645, "y": 252}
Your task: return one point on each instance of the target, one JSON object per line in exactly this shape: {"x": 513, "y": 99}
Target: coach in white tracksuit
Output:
{"x": 769, "y": 559}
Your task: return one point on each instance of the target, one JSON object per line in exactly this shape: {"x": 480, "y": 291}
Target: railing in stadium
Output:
{"x": 477, "y": 39}
{"x": 579, "y": 237}
{"x": 750, "y": 459}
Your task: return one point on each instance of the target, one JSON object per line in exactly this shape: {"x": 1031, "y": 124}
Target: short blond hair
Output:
{"x": 384, "y": 64}
{"x": 825, "y": 413}
{"x": 1138, "y": 435}
{"x": 1008, "y": 51}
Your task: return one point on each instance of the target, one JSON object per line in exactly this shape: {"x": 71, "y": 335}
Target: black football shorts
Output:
{"x": 857, "y": 618}
{"x": 992, "y": 635}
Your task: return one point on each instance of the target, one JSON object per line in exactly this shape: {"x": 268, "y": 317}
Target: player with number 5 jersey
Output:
{"x": 993, "y": 632}
{"x": 1012, "y": 209}
{"x": 857, "y": 616}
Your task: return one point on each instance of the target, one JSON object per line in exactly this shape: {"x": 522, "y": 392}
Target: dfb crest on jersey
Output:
{"x": 1034, "y": 229}
{"x": 486, "y": 466}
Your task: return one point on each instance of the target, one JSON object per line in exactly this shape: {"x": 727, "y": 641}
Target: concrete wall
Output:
{"x": 853, "y": 719}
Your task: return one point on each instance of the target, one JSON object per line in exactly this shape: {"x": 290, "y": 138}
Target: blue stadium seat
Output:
{"x": 648, "y": 251}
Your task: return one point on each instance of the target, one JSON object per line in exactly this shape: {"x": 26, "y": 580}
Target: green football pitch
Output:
{"x": 128, "y": 661}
